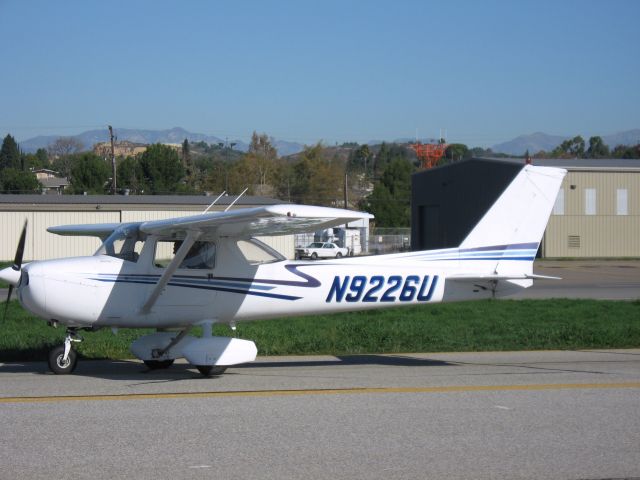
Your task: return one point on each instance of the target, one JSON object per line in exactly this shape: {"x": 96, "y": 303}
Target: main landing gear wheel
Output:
{"x": 209, "y": 370}
{"x": 58, "y": 365}
{"x": 158, "y": 364}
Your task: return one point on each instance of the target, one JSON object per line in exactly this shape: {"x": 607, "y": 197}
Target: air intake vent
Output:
{"x": 574, "y": 241}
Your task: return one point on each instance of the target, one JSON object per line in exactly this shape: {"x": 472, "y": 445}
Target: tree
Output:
{"x": 624, "y": 151}
{"x": 13, "y": 180}
{"x": 64, "y": 146}
{"x": 381, "y": 160}
{"x": 89, "y": 173}
{"x": 130, "y": 175}
{"x": 161, "y": 168}
{"x": 456, "y": 152}
{"x": 63, "y": 165}
{"x": 43, "y": 158}
{"x": 387, "y": 153}
{"x": 216, "y": 176}
{"x": 186, "y": 152}
{"x": 31, "y": 161}
{"x": 360, "y": 159}
{"x": 597, "y": 148}
{"x": 261, "y": 157}
{"x": 572, "y": 148}
{"x": 10, "y": 154}
{"x": 390, "y": 199}
{"x": 314, "y": 179}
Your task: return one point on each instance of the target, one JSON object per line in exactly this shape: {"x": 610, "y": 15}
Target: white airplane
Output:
{"x": 220, "y": 273}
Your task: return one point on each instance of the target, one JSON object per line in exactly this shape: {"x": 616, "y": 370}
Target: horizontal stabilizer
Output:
{"x": 479, "y": 278}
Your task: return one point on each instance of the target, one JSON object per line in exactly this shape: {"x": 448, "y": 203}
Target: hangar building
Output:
{"x": 43, "y": 211}
{"x": 596, "y": 214}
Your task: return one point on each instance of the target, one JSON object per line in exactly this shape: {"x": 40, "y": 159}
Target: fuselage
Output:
{"x": 103, "y": 290}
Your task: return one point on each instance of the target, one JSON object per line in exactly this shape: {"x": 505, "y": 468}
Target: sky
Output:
{"x": 304, "y": 71}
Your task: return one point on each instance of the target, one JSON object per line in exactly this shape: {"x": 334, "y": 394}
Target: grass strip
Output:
{"x": 466, "y": 326}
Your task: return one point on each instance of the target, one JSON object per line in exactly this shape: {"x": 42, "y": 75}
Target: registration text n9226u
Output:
{"x": 379, "y": 288}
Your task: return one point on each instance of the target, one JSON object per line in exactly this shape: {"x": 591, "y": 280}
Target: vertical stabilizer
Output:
{"x": 520, "y": 214}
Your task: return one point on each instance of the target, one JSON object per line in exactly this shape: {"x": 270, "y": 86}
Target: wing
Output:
{"x": 102, "y": 230}
{"x": 247, "y": 222}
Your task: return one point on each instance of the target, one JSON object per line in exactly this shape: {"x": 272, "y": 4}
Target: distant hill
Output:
{"x": 173, "y": 135}
{"x": 630, "y": 137}
{"x": 287, "y": 148}
{"x": 543, "y": 141}
{"x": 534, "y": 143}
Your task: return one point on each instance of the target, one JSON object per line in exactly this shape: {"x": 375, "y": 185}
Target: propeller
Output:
{"x": 12, "y": 274}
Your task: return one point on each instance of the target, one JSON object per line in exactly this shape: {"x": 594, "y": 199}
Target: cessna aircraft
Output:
{"x": 210, "y": 268}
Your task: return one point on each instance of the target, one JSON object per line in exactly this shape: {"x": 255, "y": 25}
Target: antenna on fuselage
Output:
{"x": 214, "y": 202}
{"x": 237, "y": 198}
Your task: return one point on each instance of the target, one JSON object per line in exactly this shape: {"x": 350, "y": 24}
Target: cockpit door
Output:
{"x": 193, "y": 283}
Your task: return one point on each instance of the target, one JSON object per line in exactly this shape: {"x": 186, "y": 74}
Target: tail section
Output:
{"x": 497, "y": 256}
{"x": 512, "y": 228}
{"x": 519, "y": 216}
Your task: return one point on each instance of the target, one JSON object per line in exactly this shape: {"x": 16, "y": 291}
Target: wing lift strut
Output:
{"x": 192, "y": 237}
{"x": 188, "y": 242}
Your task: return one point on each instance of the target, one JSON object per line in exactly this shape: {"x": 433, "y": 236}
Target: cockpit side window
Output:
{"x": 125, "y": 243}
{"x": 201, "y": 255}
{"x": 256, "y": 252}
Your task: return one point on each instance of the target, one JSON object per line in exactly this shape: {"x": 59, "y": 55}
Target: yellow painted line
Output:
{"x": 329, "y": 391}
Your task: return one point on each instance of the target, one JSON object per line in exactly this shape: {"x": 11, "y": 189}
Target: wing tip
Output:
{"x": 293, "y": 210}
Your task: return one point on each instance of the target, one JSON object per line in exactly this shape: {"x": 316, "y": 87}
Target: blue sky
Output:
{"x": 486, "y": 71}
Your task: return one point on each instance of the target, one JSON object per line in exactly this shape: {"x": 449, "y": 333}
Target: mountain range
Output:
{"x": 534, "y": 142}
{"x": 543, "y": 141}
{"x": 173, "y": 135}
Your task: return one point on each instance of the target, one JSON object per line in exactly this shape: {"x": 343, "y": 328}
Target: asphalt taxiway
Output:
{"x": 594, "y": 279}
{"x": 553, "y": 414}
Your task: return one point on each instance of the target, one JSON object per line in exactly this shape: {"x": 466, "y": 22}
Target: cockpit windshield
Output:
{"x": 125, "y": 243}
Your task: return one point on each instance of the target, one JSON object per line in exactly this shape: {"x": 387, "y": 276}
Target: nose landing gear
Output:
{"x": 63, "y": 359}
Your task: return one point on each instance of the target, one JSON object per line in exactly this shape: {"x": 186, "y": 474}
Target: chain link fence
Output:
{"x": 389, "y": 240}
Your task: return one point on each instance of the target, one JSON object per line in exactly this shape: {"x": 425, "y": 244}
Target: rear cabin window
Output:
{"x": 201, "y": 256}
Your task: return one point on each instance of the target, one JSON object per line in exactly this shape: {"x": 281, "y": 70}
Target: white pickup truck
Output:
{"x": 321, "y": 250}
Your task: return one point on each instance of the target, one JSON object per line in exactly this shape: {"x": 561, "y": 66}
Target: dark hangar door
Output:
{"x": 448, "y": 201}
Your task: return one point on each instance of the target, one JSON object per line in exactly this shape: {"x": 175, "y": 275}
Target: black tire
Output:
{"x": 57, "y": 366}
{"x": 338, "y": 255}
{"x": 158, "y": 364}
{"x": 314, "y": 256}
{"x": 209, "y": 370}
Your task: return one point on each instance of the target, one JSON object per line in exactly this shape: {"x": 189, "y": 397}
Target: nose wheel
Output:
{"x": 63, "y": 359}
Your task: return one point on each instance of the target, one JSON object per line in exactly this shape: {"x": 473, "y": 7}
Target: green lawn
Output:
{"x": 468, "y": 326}
{"x": 4, "y": 265}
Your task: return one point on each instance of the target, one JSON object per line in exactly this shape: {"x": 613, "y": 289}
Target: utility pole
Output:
{"x": 346, "y": 194}
{"x": 114, "y": 187}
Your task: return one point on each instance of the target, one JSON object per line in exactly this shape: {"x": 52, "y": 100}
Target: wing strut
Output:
{"x": 237, "y": 198}
{"x": 188, "y": 242}
{"x": 214, "y": 202}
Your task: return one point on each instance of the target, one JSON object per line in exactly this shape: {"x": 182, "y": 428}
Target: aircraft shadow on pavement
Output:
{"x": 134, "y": 370}
{"x": 390, "y": 360}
